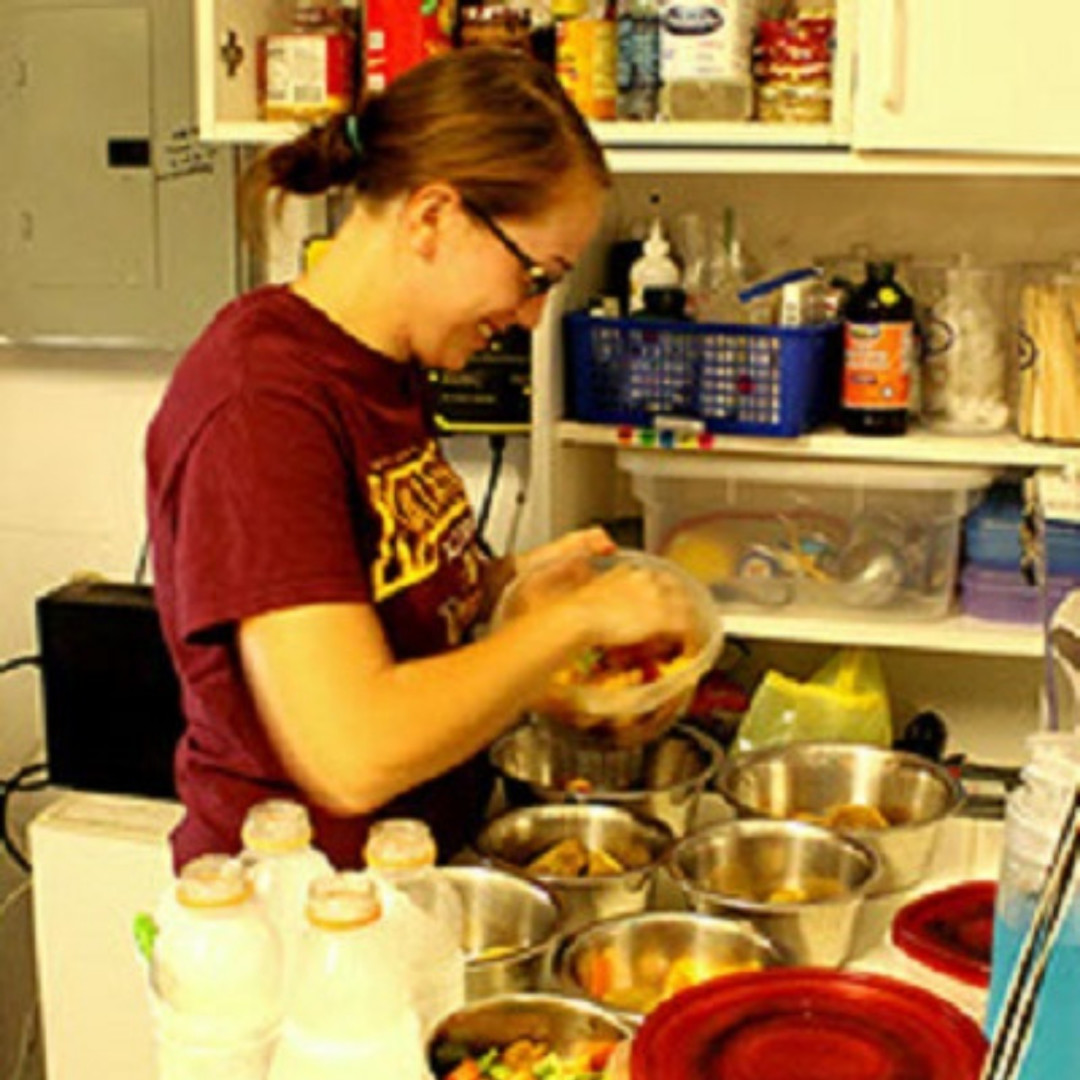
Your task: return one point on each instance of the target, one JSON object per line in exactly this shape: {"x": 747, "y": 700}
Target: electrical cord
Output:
{"x": 498, "y": 451}
{"x": 143, "y": 560}
{"x": 29, "y": 778}
{"x": 17, "y": 662}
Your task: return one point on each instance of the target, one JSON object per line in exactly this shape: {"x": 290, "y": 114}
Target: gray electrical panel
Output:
{"x": 119, "y": 223}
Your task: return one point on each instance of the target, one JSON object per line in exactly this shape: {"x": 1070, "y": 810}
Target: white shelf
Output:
{"x": 954, "y": 634}
{"x": 918, "y": 446}
{"x": 715, "y": 135}
{"x": 663, "y": 154}
{"x": 253, "y": 132}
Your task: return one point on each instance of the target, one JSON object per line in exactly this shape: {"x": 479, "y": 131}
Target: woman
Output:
{"x": 316, "y": 561}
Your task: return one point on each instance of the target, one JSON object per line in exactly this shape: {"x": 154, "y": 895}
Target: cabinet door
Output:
{"x": 997, "y": 76}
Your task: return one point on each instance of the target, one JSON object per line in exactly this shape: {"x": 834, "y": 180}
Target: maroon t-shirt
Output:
{"x": 288, "y": 464}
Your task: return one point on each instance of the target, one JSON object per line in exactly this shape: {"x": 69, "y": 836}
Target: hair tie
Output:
{"x": 352, "y": 134}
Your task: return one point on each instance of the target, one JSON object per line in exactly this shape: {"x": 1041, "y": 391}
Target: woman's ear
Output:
{"x": 429, "y": 217}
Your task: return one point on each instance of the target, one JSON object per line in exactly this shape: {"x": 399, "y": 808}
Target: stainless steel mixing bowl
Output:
{"x": 630, "y": 962}
{"x": 814, "y": 779}
{"x": 800, "y": 885}
{"x": 515, "y": 838}
{"x": 562, "y": 1023}
{"x": 510, "y": 929}
{"x": 663, "y": 780}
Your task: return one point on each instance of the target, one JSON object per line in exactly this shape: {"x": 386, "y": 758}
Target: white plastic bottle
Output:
{"x": 215, "y": 976}
{"x": 655, "y": 268}
{"x": 426, "y": 911}
{"x": 348, "y": 1015}
{"x": 277, "y": 838}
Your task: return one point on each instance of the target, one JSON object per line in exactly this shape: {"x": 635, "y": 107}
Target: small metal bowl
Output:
{"x": 510, "y": 928}
{"x": 629, "y": 963}
{"x": 800, "y": 885}
{"x": 812, "y": 779}
{"x": 515, "y": 838}
{"x": 562, "y": 1023}
{"x": 663, "y": 780}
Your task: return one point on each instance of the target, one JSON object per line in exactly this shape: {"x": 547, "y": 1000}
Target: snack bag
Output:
{"x": 844, "y": 700}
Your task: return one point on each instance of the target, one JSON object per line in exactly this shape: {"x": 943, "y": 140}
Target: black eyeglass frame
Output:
{"x": 538, "y": 280}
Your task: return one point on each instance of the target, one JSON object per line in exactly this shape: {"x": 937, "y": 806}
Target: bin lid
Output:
{"x": 950, "y": 930}
{"x": 755, "y": 1026}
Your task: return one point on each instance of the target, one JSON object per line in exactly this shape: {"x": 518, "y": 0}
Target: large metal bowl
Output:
{"x": 630, "y": 963}
{"x": 800, "y": 885}
{"x": 510, "y": 928}
{"x": 810, "y": 780}
{"x": 562, "y": 1023}
{"x": 663, "y": 780}
{"x": 515, "y": 838}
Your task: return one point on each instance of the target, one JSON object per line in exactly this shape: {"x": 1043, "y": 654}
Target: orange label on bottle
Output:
{"x": 877, "y": 365}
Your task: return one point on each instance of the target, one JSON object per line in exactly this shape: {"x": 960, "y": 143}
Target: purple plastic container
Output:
{"x": 1004, "y": 595}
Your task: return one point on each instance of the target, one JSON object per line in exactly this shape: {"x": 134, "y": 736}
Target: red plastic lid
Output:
{"x": 807, "y": 1024}
{"x": 950, "y": 931}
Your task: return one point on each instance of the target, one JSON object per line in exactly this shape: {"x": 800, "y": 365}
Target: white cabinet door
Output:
{"x": 996, "y": 76}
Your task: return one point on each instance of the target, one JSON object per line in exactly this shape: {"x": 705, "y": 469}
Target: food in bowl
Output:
{"x": 850, "y": 816}
{"x": 655, "y": 978}
{"x": 612, "y": 667}
{"x": 570, "y": 858}
{"x": 529, "y": 1059}
{"x": 632, "y": 963}
{"x": 631, "y": 694}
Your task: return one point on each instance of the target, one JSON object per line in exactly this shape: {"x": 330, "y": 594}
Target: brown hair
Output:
{"x": 493, "y": 122}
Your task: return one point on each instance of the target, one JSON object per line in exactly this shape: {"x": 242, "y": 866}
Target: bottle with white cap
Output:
{"x": 348, "y": 1015}
{"x": 655, "y": 268}
{"x": 427, "y": 909}
{"x": 277, "y": 838}
{"x": 215, "y": 977}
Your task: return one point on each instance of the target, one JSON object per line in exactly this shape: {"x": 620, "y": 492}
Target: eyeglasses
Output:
{"x": 538, "y": 280}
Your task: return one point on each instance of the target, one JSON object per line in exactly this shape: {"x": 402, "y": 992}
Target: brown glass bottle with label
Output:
{"x": 879, "y": 354}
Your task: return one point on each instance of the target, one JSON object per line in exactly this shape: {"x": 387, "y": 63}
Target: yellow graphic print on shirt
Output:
{"x": 425, "y": 525}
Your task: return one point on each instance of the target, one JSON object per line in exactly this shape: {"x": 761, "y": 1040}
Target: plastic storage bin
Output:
{"x": 735, "y": 379}
{"x": 1006, "y": 596}
{"x": 836, "y": 538}
{"x": 992, "y": 536}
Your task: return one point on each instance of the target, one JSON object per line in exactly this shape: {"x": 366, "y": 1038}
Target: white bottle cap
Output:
{"x": 213, "y": 881}
{"x": 277, "y": 826}
{"x": 400, "y": 844}
{"x": 343, "y": 901}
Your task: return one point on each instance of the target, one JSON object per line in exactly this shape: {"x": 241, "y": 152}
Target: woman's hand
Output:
{"x": 630, "y": 604}
{"x": 578, "y": 546}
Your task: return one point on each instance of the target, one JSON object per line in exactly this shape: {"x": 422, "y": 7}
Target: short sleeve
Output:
{"x": 264, "y": 515}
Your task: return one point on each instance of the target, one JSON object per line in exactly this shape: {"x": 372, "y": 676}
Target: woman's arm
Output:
{"x": 355, "y": 728}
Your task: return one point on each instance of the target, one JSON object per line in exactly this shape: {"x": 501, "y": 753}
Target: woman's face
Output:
{"x": 488, "y": 271}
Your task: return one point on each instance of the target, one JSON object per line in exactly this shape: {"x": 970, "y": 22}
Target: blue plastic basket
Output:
{"x": 740, "y": 380}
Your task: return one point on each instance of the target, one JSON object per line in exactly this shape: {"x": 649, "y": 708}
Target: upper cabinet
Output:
{"x": 993, "y": 77}
{"x": 935, "y": 79}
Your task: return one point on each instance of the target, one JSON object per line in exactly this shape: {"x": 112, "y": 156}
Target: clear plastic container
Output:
{"x": 215, "y": 977}
{"x": 626, "y": 715}
{"x": 1034, "y": 816}
{"x": 277, "y": 839}
{"x": 426, "y": 913}
{"x": 842, "y": 538}
{"x": 967, "y": 338}
{"x": 349, "y": 1014}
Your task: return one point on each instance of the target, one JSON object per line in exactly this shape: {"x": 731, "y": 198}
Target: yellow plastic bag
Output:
{"x": 844, "y": 700}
